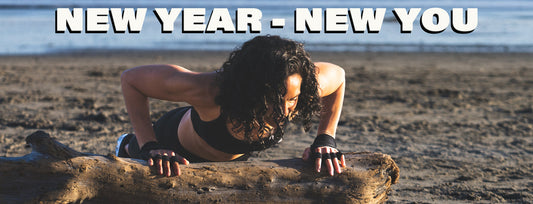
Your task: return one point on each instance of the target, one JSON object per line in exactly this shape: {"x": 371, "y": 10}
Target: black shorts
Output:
{"x": 166, "y": 130}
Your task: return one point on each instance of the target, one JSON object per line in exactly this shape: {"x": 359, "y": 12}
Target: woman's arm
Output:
{"x": 166, "y": 82}
{"x": 331, "y": 80}
{"x": 332, "y": 83}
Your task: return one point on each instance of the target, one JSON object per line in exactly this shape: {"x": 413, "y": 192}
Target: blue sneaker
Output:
{"x": 120, "y": 150}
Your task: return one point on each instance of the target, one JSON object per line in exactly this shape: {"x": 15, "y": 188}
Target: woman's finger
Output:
{"x": 337, "y": 165}
{"x": 305, "y": 155}
{"x": 159, "y": 165}
{"x": 328, "y": 162}
{"x": 176, "y": 168}
{"x": 318, "y": 161}
{"x": 184, "y": 161}
{"x": 166, "y": 165}
{"x": 174, "y": 160}
{"x": 335, "y": 156}
{"x": 150, "y": 162}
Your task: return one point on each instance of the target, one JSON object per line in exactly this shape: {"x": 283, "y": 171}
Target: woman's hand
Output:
{"x": 166, "y": 162}
{"x": 328, "y": 156}
{"x": 324, "y": 151}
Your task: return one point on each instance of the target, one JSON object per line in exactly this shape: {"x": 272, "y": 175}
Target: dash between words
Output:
{"x": 316, "y": 20}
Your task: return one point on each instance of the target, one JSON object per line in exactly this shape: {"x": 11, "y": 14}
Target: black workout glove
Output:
{"x": 149, "y": 146}
{"x": 324, "y": 140}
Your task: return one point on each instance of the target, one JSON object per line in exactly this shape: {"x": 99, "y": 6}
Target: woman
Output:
{"x": 238, "y": 109}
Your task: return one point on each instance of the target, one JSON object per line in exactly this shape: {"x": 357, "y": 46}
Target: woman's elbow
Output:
{"x": 127, "y": 77}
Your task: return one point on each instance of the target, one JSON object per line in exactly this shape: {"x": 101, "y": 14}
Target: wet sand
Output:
{"x": 460, "y": 126}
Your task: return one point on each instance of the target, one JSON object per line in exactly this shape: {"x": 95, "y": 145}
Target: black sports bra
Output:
{"x": 216, "y": 134}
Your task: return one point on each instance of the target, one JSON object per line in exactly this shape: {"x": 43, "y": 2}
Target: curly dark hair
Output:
{"x": 254, "y": 79}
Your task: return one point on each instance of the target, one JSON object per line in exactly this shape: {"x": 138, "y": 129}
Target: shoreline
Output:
{"x": 368, "y": 50}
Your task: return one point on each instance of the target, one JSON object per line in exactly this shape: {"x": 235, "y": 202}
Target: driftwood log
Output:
{"x": 54, "y": 173}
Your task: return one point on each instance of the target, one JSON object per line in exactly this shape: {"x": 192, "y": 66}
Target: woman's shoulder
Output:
{"x": 329, "y": 76}
{"x": 201, "y": 93}
{"x": 201, "y": 88}
{"x": 327, "y": 67}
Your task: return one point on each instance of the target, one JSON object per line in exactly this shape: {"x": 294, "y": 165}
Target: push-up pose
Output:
{"x": 240, "y": 108}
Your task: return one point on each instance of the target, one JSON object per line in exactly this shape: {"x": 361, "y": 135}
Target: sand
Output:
{"x": 460, "y": 126}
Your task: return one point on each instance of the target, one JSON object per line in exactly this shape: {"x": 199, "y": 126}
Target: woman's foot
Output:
{"x": 122, "y": 143}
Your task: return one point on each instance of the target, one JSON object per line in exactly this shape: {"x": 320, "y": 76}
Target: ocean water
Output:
{"x": 28, "y": 27}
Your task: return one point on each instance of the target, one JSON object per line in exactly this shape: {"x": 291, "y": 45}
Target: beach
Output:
{"x": 459, "y": 125}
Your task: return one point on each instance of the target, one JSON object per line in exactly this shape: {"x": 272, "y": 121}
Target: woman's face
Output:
{"x": 290, "y": 99}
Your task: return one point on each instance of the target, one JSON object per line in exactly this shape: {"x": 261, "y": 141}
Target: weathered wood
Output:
{"x": 55, "y": 173}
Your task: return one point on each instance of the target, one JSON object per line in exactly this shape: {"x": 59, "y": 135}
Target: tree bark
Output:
{"x": 55, "y": 173}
